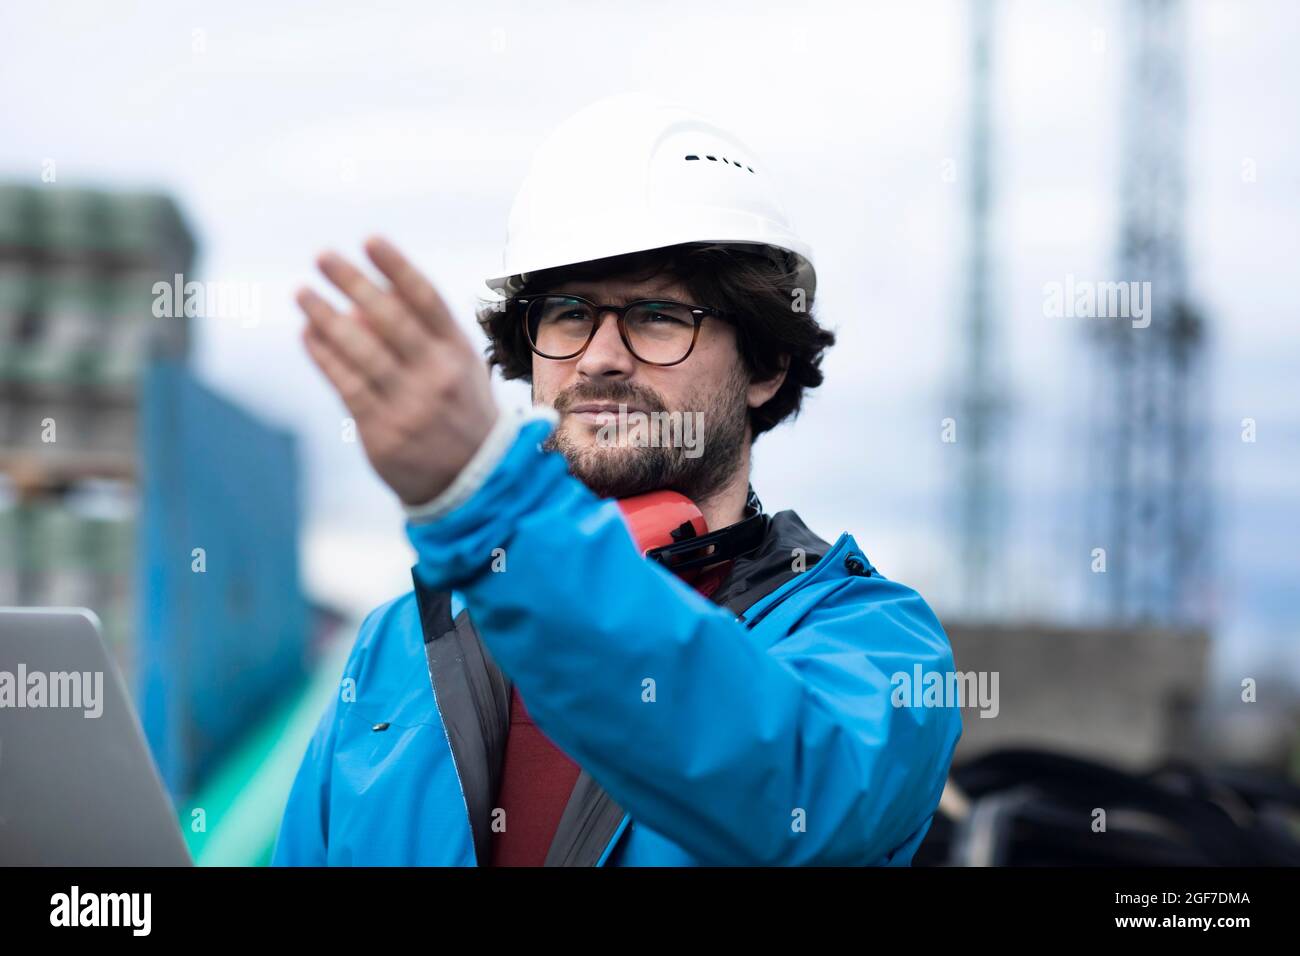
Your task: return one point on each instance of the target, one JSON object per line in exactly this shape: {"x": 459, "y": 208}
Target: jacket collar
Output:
{"x": 760, "y": 572}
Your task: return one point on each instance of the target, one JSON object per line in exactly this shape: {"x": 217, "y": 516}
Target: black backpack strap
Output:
{"x": 590, "y": 820}
{"x": 473, "y": 696}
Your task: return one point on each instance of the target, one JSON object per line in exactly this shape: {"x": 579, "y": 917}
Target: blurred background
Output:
{"x": 1104, "y": 514}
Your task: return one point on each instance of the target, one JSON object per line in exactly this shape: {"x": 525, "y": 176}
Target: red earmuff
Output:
{"x": 652, "y": 518}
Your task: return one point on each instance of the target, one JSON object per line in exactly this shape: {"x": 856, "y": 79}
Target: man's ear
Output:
{"x": 760, "y": 391}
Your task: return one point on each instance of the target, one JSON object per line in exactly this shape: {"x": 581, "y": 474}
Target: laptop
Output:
{"x": 78, "y": 785}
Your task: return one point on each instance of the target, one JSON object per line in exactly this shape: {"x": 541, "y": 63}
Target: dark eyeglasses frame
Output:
{"x": 698, "y": 312}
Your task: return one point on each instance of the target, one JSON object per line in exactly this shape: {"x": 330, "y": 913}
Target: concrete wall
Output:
{"x": 1125, "y": 697}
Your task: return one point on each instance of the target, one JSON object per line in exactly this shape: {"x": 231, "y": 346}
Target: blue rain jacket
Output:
{"x": 769, "y": 739}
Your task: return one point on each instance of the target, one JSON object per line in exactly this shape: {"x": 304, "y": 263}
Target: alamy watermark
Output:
{"x": 638, "y": 429}
{"x": 1086, "y": 299}
{"x": 129, "y": 910}
{"x": 241, "y": 301}
{"x": 53, "y": 689}
{"x": 923, "y": 688}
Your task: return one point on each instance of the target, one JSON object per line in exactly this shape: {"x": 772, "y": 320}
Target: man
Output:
{"x": 546, "y": 694}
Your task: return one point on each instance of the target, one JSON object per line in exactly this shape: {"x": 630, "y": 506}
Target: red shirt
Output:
{"x": 537, "y": 777}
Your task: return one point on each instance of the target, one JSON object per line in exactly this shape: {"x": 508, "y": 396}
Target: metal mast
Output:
{"x": 1152, "y": 461}
{"x": 980, "y": 398}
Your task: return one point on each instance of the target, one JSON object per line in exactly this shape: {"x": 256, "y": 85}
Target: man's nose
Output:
{"x": 606, "y": 355}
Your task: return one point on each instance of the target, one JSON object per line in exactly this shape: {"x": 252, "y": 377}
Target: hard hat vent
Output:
{"x": 724, "y": 159}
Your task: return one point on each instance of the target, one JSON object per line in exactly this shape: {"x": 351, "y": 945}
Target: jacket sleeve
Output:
{"x": 740, "y": 755}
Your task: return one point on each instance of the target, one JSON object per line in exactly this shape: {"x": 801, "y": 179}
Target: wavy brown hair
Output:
{"x": 756, "y": 292}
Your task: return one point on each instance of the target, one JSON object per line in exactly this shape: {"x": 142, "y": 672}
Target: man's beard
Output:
{"x": 624, "y": 470}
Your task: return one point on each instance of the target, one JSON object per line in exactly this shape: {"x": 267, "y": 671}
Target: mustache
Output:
{"x": 613, "y": 393}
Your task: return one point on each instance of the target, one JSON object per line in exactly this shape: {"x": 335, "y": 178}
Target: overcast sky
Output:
{"x": 285, "y": 128}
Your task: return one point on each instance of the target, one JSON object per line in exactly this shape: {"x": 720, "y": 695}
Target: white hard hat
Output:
{"x": 632, "y": 172}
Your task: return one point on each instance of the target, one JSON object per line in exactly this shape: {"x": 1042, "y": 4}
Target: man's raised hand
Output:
{"x": 420, "y": 394}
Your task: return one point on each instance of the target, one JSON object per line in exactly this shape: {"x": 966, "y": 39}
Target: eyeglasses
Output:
{"x": 655, "y": 331}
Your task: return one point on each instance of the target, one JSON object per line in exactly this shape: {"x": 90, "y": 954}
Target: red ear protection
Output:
{"x": 652, "y": 518}
{"x": 669, "y": 529}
